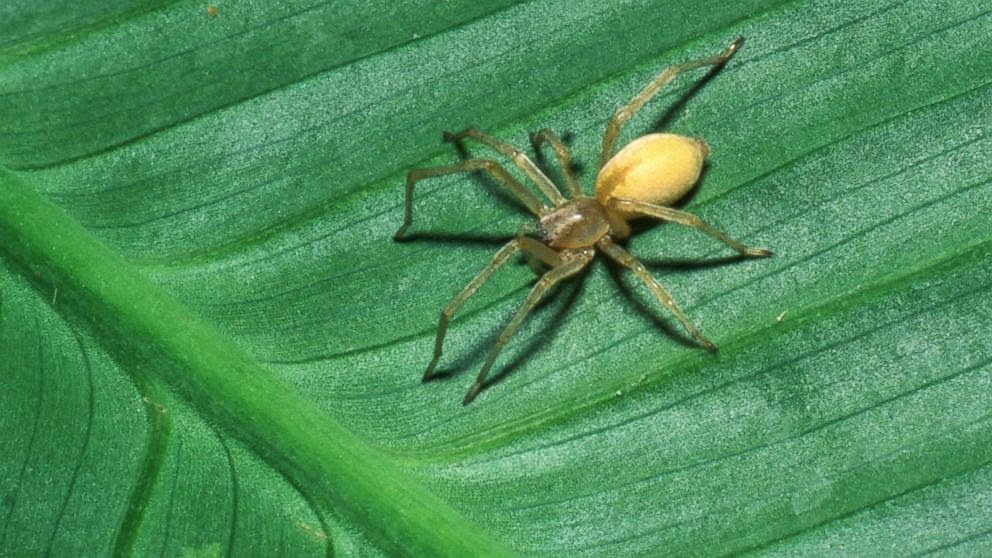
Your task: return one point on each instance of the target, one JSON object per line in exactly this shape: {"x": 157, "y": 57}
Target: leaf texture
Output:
{"x": 212, "y": 345}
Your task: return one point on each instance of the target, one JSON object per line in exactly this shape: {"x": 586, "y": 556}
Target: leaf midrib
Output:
{"x": 321, "y": 457}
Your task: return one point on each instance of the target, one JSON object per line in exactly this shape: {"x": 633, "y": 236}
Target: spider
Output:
{"x": 641, "y": 180}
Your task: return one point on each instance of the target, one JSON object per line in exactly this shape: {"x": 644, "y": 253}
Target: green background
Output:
{"x": 211, "y": 345}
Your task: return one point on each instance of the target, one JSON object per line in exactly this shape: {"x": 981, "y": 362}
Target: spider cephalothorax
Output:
{"x": 641, "y": 180}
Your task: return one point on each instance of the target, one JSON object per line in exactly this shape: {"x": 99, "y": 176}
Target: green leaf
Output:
{"x": 212, "y": 345}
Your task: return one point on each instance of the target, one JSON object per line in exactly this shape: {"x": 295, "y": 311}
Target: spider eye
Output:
{"x": 542, "y": 233}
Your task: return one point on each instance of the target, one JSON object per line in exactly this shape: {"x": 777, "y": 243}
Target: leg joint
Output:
{"x": 622, "y": 115}
{"x": 693, "y": 220}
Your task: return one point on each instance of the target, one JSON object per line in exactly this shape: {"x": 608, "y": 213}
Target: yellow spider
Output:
{"x": 642, "y": 180}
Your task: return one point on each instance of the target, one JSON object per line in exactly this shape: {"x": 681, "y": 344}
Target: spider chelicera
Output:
{"x": 642, "y": 180}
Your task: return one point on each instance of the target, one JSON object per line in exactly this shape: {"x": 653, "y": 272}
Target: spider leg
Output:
{"x": 564, "y": 157}
{"x": 624, "y": 113}
{"x": 533, "y": 261}
{"x": 521, "y": 243}
{"x": 471, "y": 165}
{"x": 519, "y": 159}
{"x": 687, "y": 219}
{"x": 555, "y": 275}
{"x": 624, "y": 258}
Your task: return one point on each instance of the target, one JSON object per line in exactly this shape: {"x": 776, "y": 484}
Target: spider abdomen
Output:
{"x": 656, "y": 168}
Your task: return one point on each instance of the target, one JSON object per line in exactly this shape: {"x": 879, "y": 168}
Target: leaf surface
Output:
{"x": 212, "y": 345}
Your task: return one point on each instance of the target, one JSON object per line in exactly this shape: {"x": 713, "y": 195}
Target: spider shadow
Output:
{"x": 455, "y": 238}
{"x": 668, "y": 116}
{"x": 570, "y": 290}
{"x": 648, "y": 306}
{"x": 660, "y": 124}
{"x": 488, "y": 184}
{"x": 495, "y": 239}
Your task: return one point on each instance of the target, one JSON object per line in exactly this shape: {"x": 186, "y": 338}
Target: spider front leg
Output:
{"x": 518, "y": 157}
{"x": 624, "y": 258}
{"x": 519, "y": 244}
{"x": 687, "y": 219}
{"x": 555, "y": 275}
{"x": 624, "y": 113}
{"x": 471, "y": 165}
{"x": 563, "y": 154}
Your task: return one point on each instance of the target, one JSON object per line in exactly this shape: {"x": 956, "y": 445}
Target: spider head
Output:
{"x": 578, "y": 223}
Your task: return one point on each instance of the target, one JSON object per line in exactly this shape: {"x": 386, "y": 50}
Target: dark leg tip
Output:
{"x": 731, "y": 49}
{"x": 472, "y": 392}
{"x": 735, "y": 45}
{"x": 429, "y": 373}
